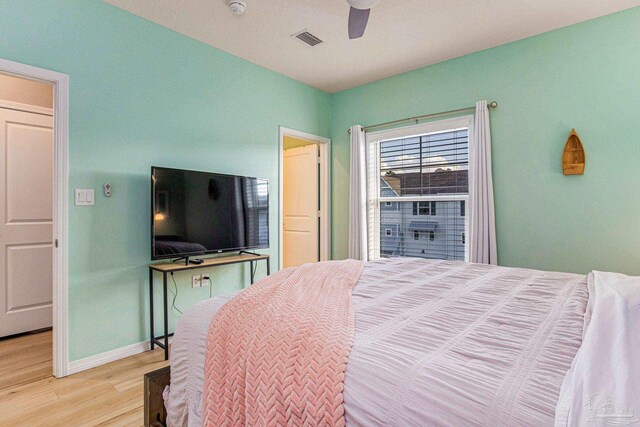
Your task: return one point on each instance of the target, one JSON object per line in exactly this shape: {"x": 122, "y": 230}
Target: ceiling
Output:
{"x": 402, "y": 35}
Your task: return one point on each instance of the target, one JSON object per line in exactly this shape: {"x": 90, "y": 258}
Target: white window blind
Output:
{"x": 418, "y": 187}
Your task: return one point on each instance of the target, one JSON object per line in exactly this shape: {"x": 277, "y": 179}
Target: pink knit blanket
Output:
{"x": 277, "y": 353}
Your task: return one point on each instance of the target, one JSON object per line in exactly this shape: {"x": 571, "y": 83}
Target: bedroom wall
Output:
{"x": 587, "y": 77}
{"x": 143, "y": 95}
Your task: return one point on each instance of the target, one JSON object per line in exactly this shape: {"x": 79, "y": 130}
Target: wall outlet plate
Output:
{"x": 196, "y": 281}
{"x": 206, "y": 280}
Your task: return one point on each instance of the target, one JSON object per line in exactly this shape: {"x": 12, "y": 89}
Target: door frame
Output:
{"x": 60, "y": 203}
{"x": 325, "y": 193}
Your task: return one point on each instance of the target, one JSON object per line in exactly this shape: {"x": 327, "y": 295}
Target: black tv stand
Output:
{"x": 188, "y": 260}
{"x": 185, "y": 258}
{"x": 248, "y": 253}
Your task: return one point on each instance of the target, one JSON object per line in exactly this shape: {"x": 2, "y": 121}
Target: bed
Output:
{"x": 436, "y": 343}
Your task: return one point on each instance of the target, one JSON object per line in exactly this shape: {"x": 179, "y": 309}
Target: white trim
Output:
{"x": 61, "y": 197}
{"x": 106, "y": 357}
{"x": 325, "y": 193}
{"x": 421, "y": 129}
{"x": 374, "y": 200}
{"x": 436, "y": 198}
{"x": 10, "y": 105}
{"x": 467, "y": 217}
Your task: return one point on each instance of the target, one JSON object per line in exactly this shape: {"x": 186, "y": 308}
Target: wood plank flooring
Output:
{"x": 109, "y": 395}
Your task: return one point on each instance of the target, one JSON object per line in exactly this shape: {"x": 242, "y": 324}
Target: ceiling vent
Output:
{"x": 308, "y": 38}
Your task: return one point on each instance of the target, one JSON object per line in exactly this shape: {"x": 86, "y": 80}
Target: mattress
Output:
{"x": 436, "y": 343}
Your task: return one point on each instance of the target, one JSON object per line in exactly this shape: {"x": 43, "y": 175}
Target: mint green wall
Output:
{"x": 586, "y": 76}
{"x": 143, "y": 95}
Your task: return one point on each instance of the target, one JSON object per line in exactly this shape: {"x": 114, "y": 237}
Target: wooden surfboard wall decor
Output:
{"x": 573, "y": 155}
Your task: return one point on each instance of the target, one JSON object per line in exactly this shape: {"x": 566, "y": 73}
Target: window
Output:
{"x": 423, "y": 172}
{"x": 389, "y": 240}
{"x": 256, "y": 200}
{"x": 424, "y": 208}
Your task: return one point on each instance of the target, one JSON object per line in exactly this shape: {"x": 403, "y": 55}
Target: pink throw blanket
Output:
{"x": 277, "y": 353}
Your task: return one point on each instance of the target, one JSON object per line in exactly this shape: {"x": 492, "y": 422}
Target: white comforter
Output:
{"x": 436, "y": 343}
{"x": 603, "y": 385}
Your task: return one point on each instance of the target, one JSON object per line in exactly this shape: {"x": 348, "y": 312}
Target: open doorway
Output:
{"x": 304, "y": 198}
{"x": 45, "y": 122}
{"x": 26, "y": 226}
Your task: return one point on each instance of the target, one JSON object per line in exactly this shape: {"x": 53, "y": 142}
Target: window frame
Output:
{"x": 374, "y": 200}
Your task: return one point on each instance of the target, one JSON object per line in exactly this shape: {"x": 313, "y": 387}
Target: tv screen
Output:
{"x": 197, "y": 213}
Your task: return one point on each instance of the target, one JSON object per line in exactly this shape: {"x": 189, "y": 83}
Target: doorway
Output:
{"x": 26, "y": 218}
{"x": 304, "y": 225}
{"x": 33, "y": 211}
{"x": 26, "y": 205}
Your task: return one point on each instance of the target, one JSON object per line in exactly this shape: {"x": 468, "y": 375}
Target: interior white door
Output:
{"x": 26, "y": 221}
{"x": 300, "y": 203}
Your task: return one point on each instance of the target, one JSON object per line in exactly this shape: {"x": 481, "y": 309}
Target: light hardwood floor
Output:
{"x": 111, "y": 394}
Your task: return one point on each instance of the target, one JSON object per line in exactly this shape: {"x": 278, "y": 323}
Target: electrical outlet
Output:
{"x": 196, "y": 281}
{"x": 206, "y": 280}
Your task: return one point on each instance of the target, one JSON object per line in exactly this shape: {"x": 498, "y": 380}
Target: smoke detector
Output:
{"x": 237, "y": 7}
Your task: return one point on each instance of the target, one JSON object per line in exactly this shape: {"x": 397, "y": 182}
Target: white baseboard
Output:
{"x": 106, "y": 357}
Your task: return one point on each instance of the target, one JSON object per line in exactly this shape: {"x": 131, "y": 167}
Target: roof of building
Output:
{"x": 423, "y": 225}
{"x": 428, "y": 183}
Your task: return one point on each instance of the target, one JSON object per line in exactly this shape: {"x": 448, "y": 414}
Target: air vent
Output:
{"x": 308, "y": 38}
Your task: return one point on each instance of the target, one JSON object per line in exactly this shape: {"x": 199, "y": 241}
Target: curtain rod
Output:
{"x": 490, "y": 105}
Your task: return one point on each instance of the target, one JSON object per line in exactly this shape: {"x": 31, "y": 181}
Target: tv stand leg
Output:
{"x": 152, "y": 332}
{"x": 166, "y": 316}
{"x": 185, "y": 258}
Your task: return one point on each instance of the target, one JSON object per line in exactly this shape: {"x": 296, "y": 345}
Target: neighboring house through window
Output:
{"x": 418, "y": 182}
{"x": 424, "y": 208}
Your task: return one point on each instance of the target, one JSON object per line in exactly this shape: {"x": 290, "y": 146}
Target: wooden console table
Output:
{"x": 172, "y": 267}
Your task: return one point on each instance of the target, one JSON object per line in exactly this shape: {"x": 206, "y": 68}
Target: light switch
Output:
{"x": 85, "y": 197}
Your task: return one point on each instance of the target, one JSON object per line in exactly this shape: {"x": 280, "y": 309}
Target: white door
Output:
{"x": 301, "y": 225}
{"x": 26, "y": 221}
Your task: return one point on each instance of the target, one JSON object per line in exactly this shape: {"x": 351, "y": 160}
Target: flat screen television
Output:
{"x": 197, "y": 213}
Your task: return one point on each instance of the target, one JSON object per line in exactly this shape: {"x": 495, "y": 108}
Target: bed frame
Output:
{"x": 155, "y": 414}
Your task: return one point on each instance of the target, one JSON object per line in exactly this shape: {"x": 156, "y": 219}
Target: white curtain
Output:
{"x": 482, "y": 230}
{"x": 358, "y": 195}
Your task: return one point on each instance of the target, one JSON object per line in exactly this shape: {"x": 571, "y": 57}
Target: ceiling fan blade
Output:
{"x": 358, "y": 19}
